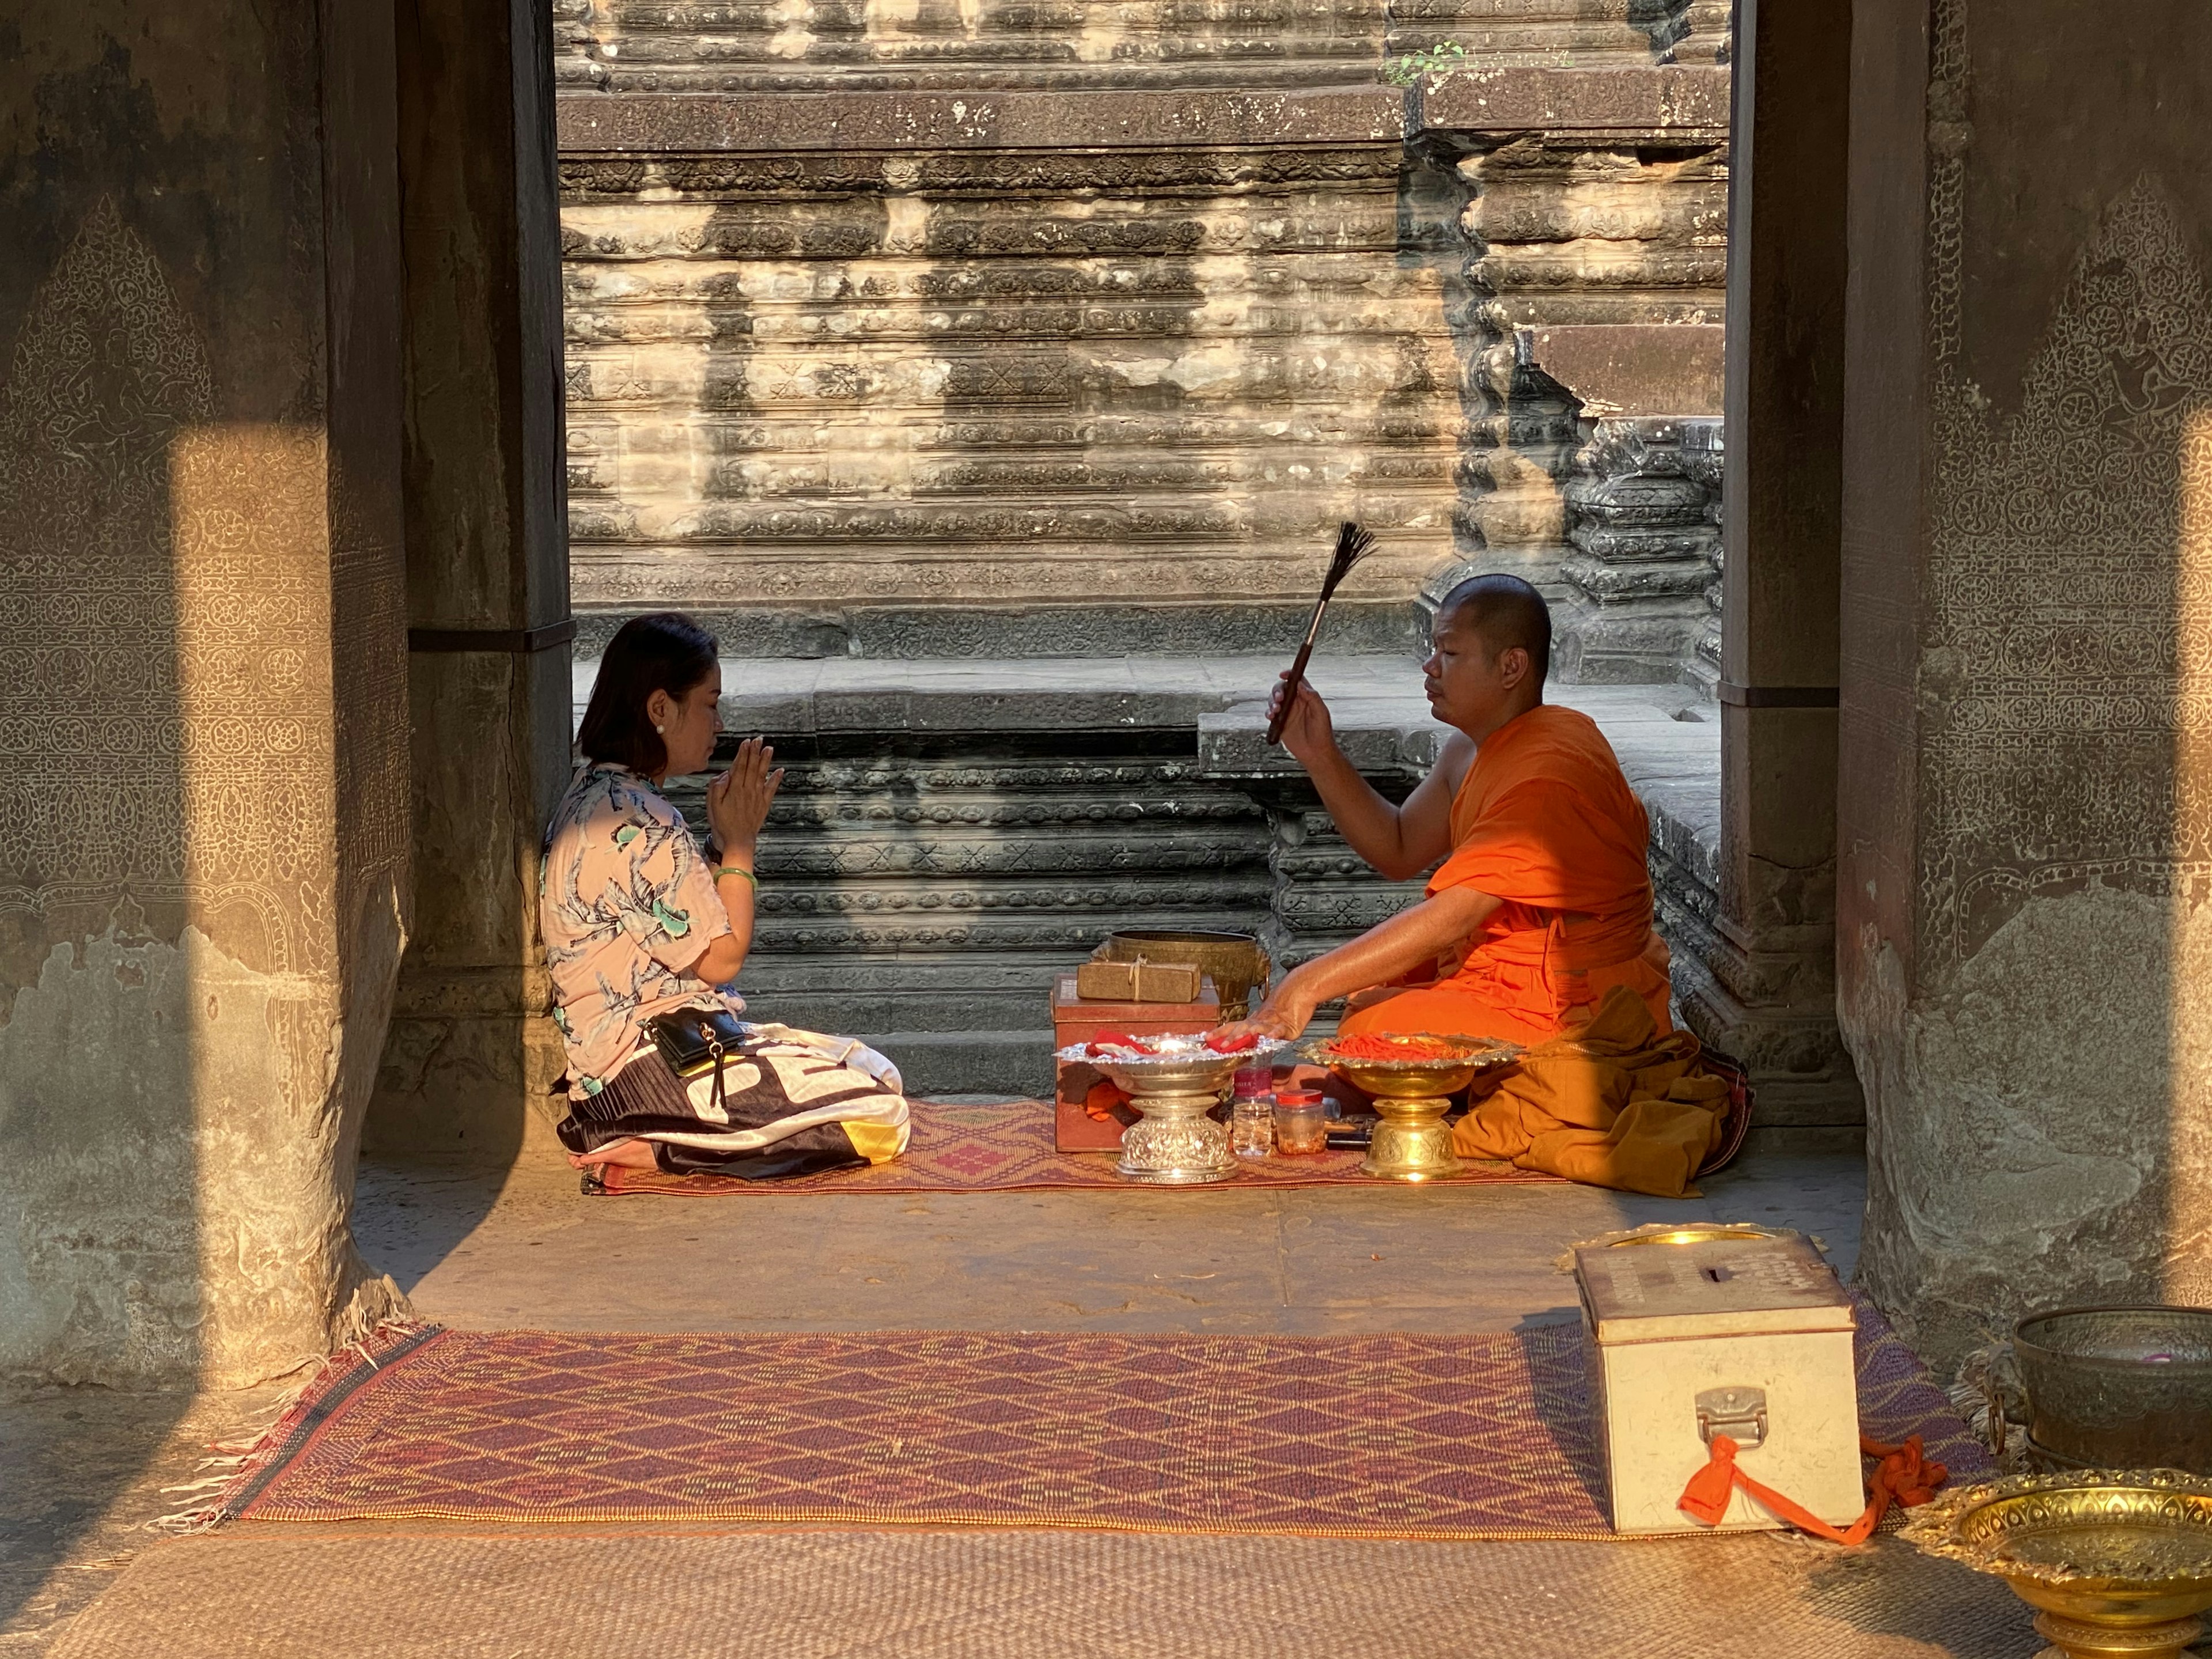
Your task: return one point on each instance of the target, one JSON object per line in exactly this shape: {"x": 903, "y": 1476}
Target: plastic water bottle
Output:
{"x": 1252, "y": 1127}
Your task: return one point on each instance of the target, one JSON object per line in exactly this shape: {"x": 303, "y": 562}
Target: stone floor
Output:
{"x": 1306, "y": 1262}
{"x": 86, "y": 1467}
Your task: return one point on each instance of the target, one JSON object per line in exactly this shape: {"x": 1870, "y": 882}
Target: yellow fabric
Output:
{"x": 1612, "y": 1103}
{"x": 878, "y": 1143}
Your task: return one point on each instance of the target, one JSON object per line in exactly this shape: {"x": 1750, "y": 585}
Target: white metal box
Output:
{"x": 1748, "y": 1337}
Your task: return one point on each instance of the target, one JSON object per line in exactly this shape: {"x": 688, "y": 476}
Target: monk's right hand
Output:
{"x": 1308, "y": 733}
{"x": 1284, "y": 1015}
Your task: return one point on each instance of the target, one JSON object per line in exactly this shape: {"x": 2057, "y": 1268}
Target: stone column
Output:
{"x": 2027, "y": 735}
{"x": 1761, "y": 985}
{"x": 487, "y": 572}
{"x": 203, "y": 865}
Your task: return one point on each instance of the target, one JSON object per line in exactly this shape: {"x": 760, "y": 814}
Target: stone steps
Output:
{"x": 665, "y": 46}
{"x": 1010, "y": 1062}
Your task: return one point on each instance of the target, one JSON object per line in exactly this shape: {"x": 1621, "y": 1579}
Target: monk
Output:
{"x": 1543, "y": 904}
{"x": 1537, "y": 928}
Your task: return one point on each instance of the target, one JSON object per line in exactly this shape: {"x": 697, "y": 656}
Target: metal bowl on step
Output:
{"x": 2118, "y": 1561}
{"x": 2118, "y": 1387}
{"x": 1237, "y": 962}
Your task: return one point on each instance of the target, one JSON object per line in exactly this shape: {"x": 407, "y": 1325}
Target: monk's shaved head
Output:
{"x": 1505, "y": 611}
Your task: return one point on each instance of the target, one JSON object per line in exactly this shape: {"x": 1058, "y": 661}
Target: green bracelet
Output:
{"x": 737, "y": 870}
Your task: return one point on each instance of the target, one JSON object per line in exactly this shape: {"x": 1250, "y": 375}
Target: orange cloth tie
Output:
{"x": 1905, "y": 1477}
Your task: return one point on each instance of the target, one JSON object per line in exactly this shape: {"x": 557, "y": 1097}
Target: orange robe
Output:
{"x": 1546, "y": 821}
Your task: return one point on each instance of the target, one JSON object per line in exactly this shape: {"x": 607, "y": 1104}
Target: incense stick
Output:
{"x": 1353, "y": 545}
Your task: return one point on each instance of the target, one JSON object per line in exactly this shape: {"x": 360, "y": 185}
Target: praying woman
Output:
{"x": 645, "y": 932}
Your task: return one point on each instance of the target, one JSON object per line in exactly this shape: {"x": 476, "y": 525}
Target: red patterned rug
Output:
{"x": 1006, "y": 1148}
{"x": 1377, "y": 1436}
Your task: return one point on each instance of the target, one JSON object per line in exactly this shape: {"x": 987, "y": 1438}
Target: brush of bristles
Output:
{"x": 1353, "y": 545}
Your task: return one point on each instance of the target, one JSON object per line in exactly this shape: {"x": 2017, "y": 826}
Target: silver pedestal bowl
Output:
{"x": 1174, "y": 1143}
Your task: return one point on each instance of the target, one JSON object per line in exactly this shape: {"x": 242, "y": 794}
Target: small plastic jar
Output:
{"x": 1256, "y": 1080}
{"x": 1301, "y": 1122}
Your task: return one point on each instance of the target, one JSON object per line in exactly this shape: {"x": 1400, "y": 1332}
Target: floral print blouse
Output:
{"x": 626, "y": 903}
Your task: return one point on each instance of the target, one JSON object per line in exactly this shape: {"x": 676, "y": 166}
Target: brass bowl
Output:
{"x": 1411, "y": 1142}
{"x": 2118, "y": 1387}
{"x": 2115, "y": 1560}
{"x": 1418, "y": 1076}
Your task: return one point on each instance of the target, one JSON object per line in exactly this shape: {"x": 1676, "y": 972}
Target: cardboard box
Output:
{"x": 1075, "y": 1019}
{"x": 1137, "y": 982}
{"x": 1748, "y": 1337}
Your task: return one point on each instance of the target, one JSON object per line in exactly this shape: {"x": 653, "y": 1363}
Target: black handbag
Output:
{"x": 693, "y": 1041}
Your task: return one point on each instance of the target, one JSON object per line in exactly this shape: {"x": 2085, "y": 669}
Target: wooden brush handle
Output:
{"x": 1351, "y": 545}
{"x": 1290, "y": 685}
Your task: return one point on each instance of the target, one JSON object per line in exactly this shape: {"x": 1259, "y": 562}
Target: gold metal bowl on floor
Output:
{"x": 1411, "y": 1142}
{"x": 2116, "y": 1561}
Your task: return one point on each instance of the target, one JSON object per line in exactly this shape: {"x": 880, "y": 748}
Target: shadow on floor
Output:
{"x": 85, "y": 1472}
{"x": 410, "y": 1214}
{"x": 1980, "y": 1619}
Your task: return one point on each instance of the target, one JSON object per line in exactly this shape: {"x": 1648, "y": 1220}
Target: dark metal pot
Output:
{"x": 2123, "y": 1387}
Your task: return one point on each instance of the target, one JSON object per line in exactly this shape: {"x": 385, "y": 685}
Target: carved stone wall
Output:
{"x": 899, "y": 404}
{"x": 2028, "y": 528}
{"x": 1033, "y": 330}
{"x": 204, "y": 853}
{"x": 1001, "y": 46}
{"x": 1644, "y": 504}
{"x": 1597, "y": 254}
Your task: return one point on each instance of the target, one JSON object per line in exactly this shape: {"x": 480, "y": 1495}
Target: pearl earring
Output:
{"x": 660, "y": 728}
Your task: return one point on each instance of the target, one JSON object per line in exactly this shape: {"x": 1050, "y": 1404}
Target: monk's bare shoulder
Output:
{"x": 1453, "y": 761}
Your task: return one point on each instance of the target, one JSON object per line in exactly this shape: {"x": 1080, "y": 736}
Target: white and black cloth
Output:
{"x": 791, "y": 1103}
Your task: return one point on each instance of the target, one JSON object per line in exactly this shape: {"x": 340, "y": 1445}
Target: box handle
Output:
{"x": 1739, "y": 1414}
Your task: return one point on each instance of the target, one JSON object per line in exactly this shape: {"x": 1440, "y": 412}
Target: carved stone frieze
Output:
{"x": 1644, "y": 511}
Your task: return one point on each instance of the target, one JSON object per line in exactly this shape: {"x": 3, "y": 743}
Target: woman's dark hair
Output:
{"x": 665, "y": 652}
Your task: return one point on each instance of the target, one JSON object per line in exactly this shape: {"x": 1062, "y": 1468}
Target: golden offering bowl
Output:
{"x": 1412, "y": 1142}
{"x": 2116, "y": 1561}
